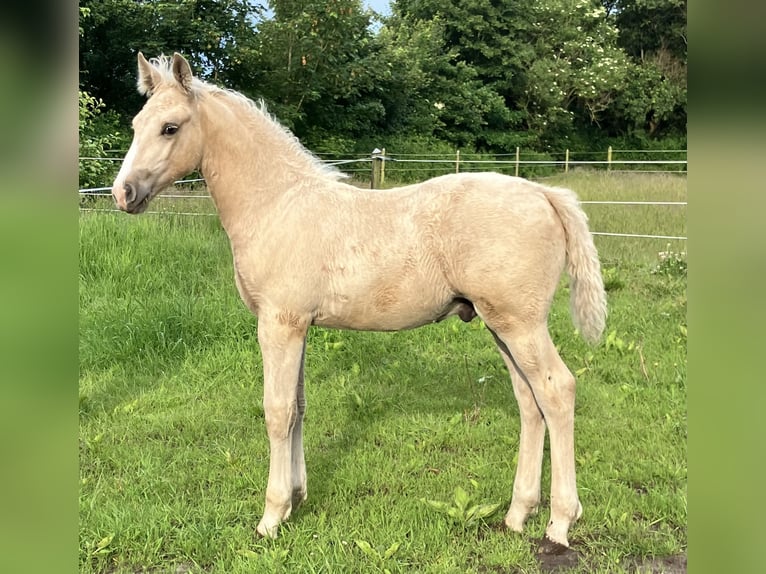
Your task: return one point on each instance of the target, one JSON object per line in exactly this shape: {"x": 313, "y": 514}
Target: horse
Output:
{"x": 309, "y": 249}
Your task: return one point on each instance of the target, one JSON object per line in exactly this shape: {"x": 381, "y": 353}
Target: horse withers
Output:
{"x": 309, "y": 249}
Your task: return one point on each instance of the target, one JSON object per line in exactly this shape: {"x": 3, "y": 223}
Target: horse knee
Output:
{"x": 555, "y": 391}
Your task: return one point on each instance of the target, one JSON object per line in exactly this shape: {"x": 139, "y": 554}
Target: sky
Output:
{"x": 380, "y": 6}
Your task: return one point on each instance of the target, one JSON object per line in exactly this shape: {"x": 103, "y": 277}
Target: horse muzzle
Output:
{"x": 131, "y": 197}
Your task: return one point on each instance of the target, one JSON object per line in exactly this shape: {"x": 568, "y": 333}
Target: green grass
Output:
{"x": 174, "y": 454}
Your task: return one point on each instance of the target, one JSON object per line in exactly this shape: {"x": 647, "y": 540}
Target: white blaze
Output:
{"x": 118, "y": 187}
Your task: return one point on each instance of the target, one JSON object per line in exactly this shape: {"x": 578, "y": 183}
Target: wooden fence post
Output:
{"x": 517, "y": 161}
{"x": 377, "y": 164}
{"x": 383, "y": 167}
{"x": 457, "y": 161}
{"x": 566, "y": 161}
{"x": 609, "y": 159}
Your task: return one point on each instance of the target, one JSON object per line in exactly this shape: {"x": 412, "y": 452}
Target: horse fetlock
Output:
{"x": 299, "y": 496}
{"x": 560, "y": 522}
{"x": 518, "y": 513}
{"x": 273, "y": 516}
{"x": 557, "y": 532}
{"x": 267, "y": 528}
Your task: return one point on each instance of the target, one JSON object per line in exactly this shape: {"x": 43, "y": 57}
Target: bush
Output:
{"x": 98, "y": 134}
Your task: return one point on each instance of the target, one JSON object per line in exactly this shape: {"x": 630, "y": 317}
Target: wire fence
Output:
{"x": 404, "y": 168}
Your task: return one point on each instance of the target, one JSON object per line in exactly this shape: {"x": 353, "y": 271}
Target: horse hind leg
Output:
{"x": 526, "y": 484}
{"x": 298, "y": 461}
{"x": 541, "y": 376}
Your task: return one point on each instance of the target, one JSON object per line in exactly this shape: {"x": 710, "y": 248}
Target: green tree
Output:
{"x": 427, "y": 89}
{"x": 218, "y": 36}
{"x": 314, "y": 67}
{"x": 653, "y": 34}
{"x": 650, "y": 26}
{"x": 94, "y": 141}
{"x": 547, "y": 65}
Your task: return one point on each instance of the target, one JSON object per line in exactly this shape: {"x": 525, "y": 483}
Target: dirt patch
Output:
{"x": 675, "y": 564}
{"x": 554, "y": 557}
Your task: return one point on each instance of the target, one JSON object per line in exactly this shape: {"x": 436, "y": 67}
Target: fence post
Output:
{"x": 377, "y": 164}
{"x": 457, "y": 161}
{"x": 383, "y": 167}
{"x": 566, "y": 161}
{"x": 517, "y": 161}
{"x": 609, "y": 159}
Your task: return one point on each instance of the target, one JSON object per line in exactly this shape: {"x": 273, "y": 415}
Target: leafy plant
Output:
{"x": 671, "y": 264}
{"x": 612, "y": 341}
{"x": 377, "y": 557}
{"x": 612, "y": 279}
{"x": 464, "y": 509}
{"x": 93, "y": 143}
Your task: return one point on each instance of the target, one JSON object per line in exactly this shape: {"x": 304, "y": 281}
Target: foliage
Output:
{"x": 377, "y": 557}
{"x": 95, "y": 140}
{"x": 463, "y": 509}
{"x": 671, "y": 263}
{"x": 476, "y": 75}
{"x": 653, "y": 34}
{"x": 216, "y": 35}
{"x": 315, "y": 68}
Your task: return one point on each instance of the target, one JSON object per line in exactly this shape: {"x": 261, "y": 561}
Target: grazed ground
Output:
{"x": 570, "y": 559}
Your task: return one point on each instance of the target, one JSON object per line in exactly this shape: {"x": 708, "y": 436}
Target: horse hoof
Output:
{"x": 265, "y": 531}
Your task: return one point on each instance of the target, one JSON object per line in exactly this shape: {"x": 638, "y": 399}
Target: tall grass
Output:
{"x": 174, "y": 454}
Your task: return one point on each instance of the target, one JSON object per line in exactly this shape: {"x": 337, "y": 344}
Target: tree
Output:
{"x": 314, "y": 68}
{"x": 93, "y": 139}
{"x": 550, "y": 63}
{"x": 218, "y": 37}
{"x": 93, "y": 143}
{"x": 426, "y": 88}
{"x": 653, "y": 34}
{"x": 651, "y": 26}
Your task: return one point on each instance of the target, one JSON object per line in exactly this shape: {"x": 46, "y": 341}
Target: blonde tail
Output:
{"x": 588, "y": 298}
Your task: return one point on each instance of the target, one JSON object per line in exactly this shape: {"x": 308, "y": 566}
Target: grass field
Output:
{"x": 174, "y": 453}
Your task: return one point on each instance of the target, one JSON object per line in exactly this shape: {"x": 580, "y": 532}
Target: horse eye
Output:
{"x": 169, "y": 129}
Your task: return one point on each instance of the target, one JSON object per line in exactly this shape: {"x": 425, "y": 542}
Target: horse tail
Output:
{"x": 587, "y": 295}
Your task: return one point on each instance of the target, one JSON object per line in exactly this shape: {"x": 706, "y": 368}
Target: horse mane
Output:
{"x": 163, "y": 64}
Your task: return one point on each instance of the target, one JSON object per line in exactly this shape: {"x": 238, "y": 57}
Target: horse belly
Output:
{"x": 387, "y": 307}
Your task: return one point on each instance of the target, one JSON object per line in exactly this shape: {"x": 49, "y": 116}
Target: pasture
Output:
{"x": 405, "y": 433}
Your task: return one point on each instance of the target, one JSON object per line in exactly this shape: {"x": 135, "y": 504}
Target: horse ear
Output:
{"x": 148, "y": 76}
{"x": 182, "y": 72}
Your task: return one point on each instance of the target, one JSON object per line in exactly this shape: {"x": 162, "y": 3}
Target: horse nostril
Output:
{"x": 130, "y": 193}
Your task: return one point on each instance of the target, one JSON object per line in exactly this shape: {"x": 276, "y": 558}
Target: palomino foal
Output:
{"x": 311, "y": 250}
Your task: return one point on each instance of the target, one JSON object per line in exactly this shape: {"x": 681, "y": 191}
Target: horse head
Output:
{"x": 167, "y": 134}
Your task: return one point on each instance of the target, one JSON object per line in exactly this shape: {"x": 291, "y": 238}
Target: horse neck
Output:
{"x": 248, "y": 162}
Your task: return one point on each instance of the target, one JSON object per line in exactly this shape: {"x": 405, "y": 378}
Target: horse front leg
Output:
{"x": 282, "y": 337}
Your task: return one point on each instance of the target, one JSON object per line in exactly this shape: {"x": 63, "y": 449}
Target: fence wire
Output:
{"x": 449, "y": 159}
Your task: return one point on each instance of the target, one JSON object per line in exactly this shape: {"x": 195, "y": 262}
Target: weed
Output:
{"x": 375, "y": 556}
{"x": 612, "y": 279}
{"x": 671, "y": 264}
{"x": 463, "y": 509}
